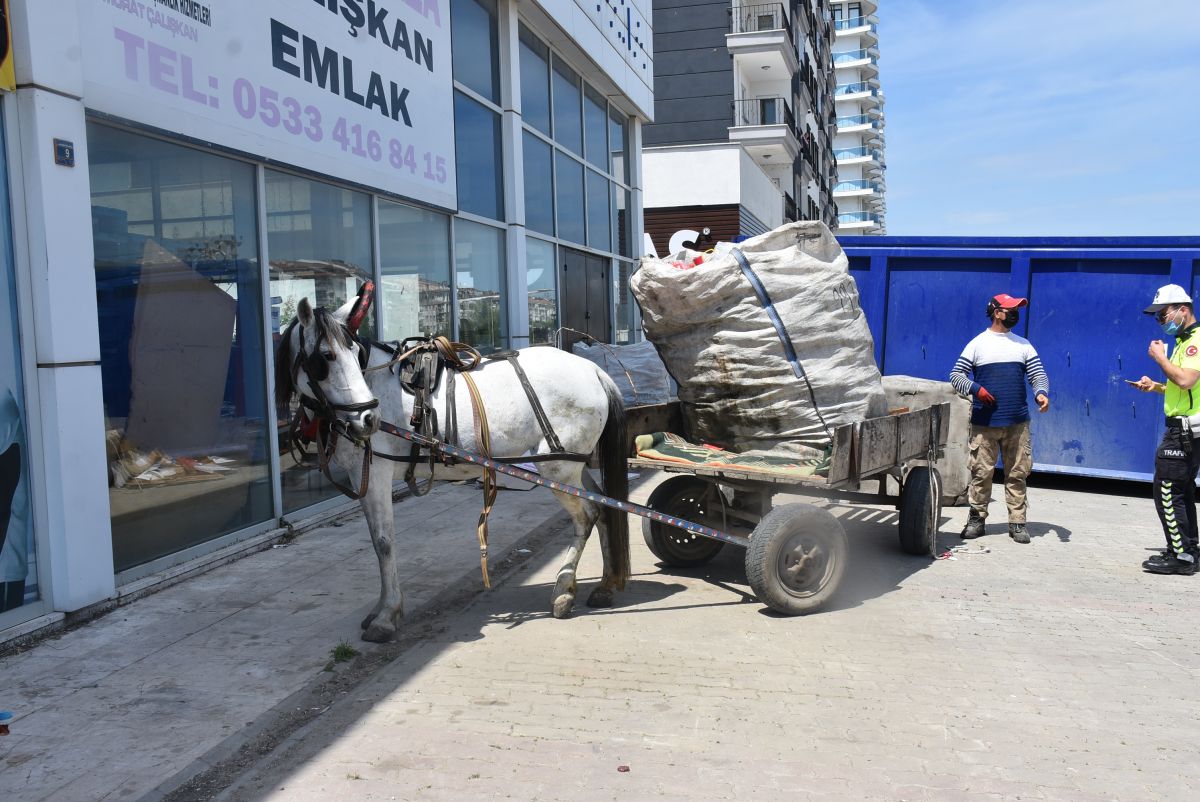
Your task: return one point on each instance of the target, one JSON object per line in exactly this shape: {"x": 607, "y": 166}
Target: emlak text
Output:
{"x": 303, "y": 57}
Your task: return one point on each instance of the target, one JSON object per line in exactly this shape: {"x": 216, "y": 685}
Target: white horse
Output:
{"x": 319, "y": 355}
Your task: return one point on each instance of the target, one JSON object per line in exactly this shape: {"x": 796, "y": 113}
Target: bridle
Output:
{"x": 316, "y": 370}
{"x": 317, "y": 416}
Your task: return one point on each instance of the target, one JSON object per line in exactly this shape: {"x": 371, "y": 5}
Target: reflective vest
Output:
{"x": 1186, "y": 354}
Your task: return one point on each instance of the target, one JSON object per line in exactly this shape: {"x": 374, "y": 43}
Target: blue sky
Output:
{"x": 1013, "y": 117}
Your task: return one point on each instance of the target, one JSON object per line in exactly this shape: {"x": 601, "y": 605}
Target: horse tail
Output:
{"x": 612, "y": 447}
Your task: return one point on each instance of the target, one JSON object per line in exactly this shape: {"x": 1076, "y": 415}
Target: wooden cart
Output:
{"x": 796, "y": 553}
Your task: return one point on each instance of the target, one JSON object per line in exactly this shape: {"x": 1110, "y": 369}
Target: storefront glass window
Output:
{"x": 595, "y": 127}
{"x": 568, "y": 126}
{"x": 599, "y": 202}
{"x": 473, "y": 42}
{"x": 618, "y": 145}
{"x": 479, "y": 276}
{"x": 319, "y": 241}
{"x": 623, "y": 201}
{"x": 480, "y": 163}
{"x": 535, "y": 81}
{"x": 414, "y": 252}
{"x": 539, "y": 185}
{"x": 181, "y": 347}
{"x": 570, "y": 197}
{"x": 18, "y": 566}
{"x": 540, "y": 277}
{"x": 623, "y": 299}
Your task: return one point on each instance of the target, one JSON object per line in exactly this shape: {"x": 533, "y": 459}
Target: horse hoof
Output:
{"x": 366, "y": 622}
{"x": 379, "y": 632}
{"x": 600, "y": 597}
{"x": 563, "y": 605}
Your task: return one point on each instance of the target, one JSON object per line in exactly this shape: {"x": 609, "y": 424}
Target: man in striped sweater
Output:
{"x": 993, "y": 370}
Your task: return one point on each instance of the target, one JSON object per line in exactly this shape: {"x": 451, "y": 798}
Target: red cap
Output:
{"x": 1008, "y": 302}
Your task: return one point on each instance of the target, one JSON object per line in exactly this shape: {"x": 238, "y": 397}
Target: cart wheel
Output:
{"x": 920, "y": 510}
{"x": 679, "y": 497}
{"x": 796, "y": 558}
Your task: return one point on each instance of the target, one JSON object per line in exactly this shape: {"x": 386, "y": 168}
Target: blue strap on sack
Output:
{"x": 789, "y": 350}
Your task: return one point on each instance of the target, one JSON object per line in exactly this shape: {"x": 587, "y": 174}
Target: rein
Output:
{"x": 420, "y": 364}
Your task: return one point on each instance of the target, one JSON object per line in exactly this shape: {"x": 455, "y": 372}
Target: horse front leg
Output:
{"x": 380, "y": 625}
{"x": 583, "y": 515}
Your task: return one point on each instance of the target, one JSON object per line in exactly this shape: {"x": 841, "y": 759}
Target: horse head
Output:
{"x": 322, "y": 361}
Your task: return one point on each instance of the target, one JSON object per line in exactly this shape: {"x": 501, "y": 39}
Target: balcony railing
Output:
{"x": 856, "y": 185}
{"x": 858, "y": 119}
{"x": 763, "y": 111}
{"x": 854, "y": 89}
{"x": 852, "y": 22}
{"x": 843, "y": 154}
{"x": 858, "y": 217}
{"x": 789, "y": 209}
{"x": 855, "y": 55}
{"x": 760, "y": 17}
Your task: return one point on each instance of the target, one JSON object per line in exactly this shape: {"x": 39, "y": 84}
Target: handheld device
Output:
{"x": 1131, "y": 383}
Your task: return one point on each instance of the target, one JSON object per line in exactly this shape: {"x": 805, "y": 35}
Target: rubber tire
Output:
{"x": 779, "y": 532}
{"x": 916, "y": 502}
{"x": 674, "y": 546}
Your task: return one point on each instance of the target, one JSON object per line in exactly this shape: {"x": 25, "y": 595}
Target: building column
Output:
{"x": 637, "y": 219}
{"x": 55, "y": 260}
{"x": 516, "y": 295}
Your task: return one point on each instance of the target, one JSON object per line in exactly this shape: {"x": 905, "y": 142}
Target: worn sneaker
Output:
{"x": 1018, "y": 532}
{"x": 974, "y": 527}
{"x": 1172, "y": 564}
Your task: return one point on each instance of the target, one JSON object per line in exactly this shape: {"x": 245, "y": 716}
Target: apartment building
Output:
{"x": 743, "y": 132}
{"x": 858, "y": 99}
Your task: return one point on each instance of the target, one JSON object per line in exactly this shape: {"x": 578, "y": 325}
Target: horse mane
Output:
{"x": 285, "y": 387}
{"x": 329, "y": 328}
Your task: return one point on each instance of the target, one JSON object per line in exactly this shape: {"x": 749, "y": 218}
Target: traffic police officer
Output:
{"x": 1176, "y": 460}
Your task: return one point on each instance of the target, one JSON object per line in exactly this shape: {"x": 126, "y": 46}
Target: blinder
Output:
{"x": 316, "y": 368}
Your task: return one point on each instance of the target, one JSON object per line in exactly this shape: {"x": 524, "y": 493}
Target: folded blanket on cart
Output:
{"x": 669, "y": 447}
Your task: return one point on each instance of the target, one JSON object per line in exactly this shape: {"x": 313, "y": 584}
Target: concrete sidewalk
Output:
{"x": 119, "y": 706}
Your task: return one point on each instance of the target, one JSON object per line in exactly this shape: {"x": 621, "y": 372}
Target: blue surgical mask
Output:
{"x": 1170, "y": 327}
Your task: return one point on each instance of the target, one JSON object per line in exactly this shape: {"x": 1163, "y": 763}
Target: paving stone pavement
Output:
{"x": 1050, "y": 671}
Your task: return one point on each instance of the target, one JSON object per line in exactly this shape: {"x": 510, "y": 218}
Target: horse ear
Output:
{"x": 304, "y": 312}
{"x": 342, "y": 313}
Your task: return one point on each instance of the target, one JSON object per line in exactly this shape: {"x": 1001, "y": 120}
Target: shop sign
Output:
{"x": 356, "y": 89}
{"x": 8, "y": 78}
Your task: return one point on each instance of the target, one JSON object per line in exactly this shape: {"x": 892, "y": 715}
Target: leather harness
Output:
{"x": 420, "y": 365}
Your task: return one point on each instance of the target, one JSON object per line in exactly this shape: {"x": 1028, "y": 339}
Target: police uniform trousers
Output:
{"x": 1174, "y": 488}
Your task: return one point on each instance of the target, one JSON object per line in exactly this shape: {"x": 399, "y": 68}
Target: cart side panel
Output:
{"x": 878, "y": 441}
{"x": 915, "y": 430}
{"x": 841, "y": 459}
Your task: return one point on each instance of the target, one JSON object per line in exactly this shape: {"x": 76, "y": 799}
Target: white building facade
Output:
{"x": 178, "y": 174}
{"x": 858, "y": 145}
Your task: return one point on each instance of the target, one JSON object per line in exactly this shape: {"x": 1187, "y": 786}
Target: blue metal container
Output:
{"x": 925, "y": 298}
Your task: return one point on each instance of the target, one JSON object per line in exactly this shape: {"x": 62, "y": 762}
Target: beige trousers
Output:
{"x": 1014, "y": 444}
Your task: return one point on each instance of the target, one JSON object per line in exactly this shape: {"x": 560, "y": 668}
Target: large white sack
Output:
{"x": 736, "y": 384}
{"x": 636, "y": 369}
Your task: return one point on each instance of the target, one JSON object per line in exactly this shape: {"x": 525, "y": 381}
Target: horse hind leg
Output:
{"x": 602, "y": 594}
{"x": 584, "y": 515}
